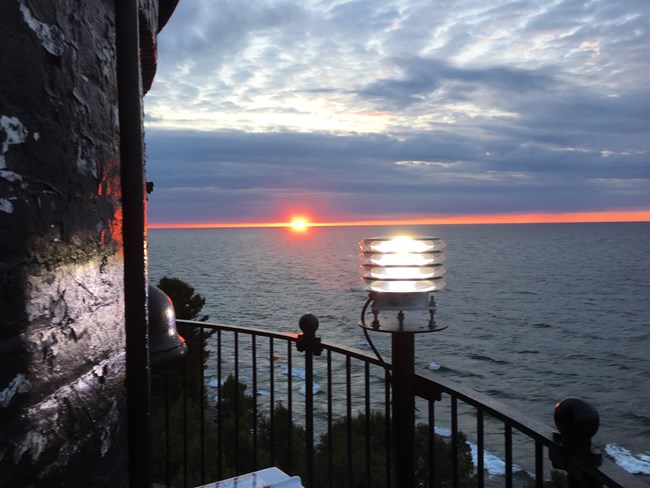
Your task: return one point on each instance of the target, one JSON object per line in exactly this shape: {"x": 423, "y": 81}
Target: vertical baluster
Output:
{"x": 348, "y": 394}
{"x": 167, "y": 443}
{"x": 202, "y": 409}
{"x": 254, "y": 393}
{"x": 387, "y": 427}
{"x": 309, "y": 417}
{"x": 480, "y": 447}
{"x": 272, "y": 400}
{"x": 219, "y": 409}
{"x": 289, "y": 408}
{"x": 539, "y": 465}
{"x": 367, "y": 384}
{"x": 236, "y": 402}
{"x": 454, "y": 441}
{"x": 184, "y": 391}
{"x": 308, "y": 343}
{"x": 508, "y": 439}
{"x": 432, "y": 443}
{"x": 330, "y": 434}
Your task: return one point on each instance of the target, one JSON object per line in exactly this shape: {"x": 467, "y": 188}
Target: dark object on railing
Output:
{"x": 165, "y": 343}
{"x": 577, "y": 422}
{"x": 307, "y": 341}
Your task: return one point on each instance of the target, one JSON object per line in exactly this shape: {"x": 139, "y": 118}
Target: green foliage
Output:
{"x": 187, "y": 304}
{"x": 176, "y": 433}
{"x": 442, "y": 452}
{"x": 234, "y": 423}
{"x": 372, "y": 430}
{"x": 282, "y": 442}
{"x": 356, "y": 460}
{"x": 234, "y": 431}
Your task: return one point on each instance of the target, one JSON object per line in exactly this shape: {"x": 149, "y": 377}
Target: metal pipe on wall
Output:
{"x": 129, "y": 82}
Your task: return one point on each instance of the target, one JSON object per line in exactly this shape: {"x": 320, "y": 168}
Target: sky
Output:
{"x": 378, "y": 110}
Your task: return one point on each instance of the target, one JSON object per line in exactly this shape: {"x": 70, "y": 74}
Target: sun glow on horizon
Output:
{"x": 301, "y": 224}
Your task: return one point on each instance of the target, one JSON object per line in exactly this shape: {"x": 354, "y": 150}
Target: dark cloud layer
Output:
{"x": 376, "y": 108}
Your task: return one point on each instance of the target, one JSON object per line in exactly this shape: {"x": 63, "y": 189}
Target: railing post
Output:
{"x": 309, "y": 344}
{"x": 577, "y": 422}
{"x": 403, "y": 410}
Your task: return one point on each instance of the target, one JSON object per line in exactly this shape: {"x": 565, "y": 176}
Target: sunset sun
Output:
{"x": 299, "y": 224}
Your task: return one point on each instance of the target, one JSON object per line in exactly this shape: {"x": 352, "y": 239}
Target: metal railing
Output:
{"x": 245, "y": 399}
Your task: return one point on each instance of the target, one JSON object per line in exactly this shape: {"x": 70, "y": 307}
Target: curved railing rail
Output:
{"x": 325, "y": 415}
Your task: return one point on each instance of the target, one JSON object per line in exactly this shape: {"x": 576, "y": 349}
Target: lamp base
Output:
{"x": 400, "y": 324}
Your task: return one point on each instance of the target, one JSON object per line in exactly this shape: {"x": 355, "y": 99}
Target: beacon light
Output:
{"x": 401, "y": 273}
{"x": 402, "y": 264}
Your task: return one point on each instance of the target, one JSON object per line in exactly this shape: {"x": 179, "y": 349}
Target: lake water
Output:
{"x": 536, "y": 313}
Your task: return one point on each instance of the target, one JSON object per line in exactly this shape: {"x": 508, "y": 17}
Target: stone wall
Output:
{"x": 62, "y": 359}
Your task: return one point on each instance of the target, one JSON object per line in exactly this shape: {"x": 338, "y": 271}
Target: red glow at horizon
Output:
{"x": 524, "y": 218}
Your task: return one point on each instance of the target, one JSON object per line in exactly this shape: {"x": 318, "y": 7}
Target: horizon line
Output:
{"x": 521, "y": 218}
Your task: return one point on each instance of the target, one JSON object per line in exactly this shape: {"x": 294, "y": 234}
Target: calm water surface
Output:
{"x": 536, "y": 313}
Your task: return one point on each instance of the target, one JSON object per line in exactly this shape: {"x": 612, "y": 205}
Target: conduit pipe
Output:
{"x": 129, "y": 84}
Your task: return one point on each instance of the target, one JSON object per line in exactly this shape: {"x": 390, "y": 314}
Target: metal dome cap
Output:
{"x": 165, "y": 343}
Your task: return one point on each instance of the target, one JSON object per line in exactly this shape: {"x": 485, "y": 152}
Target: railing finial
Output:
{"x": 307, "y": 341}
{"x": 577, "y": 422}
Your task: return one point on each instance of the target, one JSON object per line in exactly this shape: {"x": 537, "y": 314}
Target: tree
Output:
{"x": 373, "y": 432}
{"x": 187, "y": 304}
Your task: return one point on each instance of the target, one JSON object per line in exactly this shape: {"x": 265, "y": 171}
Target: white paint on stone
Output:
{"x": 82, "y": 306}
{"x": 86, "y": 159}
{"x": 51, "y": 36}
{"x": 112, "y": 419}
{"x": 20, "y": 384}
{"x": 34, "y": 442}
{"x": 15, "y": 133}
{"x": 10, "y": 176}
{"x": 36, "y": 136}
{"x": 6, "y": 206}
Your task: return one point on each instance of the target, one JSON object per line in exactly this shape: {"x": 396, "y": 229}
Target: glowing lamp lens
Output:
{"x": 403, "y": 272}
{"x": 402, "y": 244}
{"x": 403, "y": 259}
{"x": 420, "y": 286}
{"x": 402, "y": 264}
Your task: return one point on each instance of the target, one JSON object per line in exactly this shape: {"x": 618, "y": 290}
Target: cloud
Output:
{"x": 244, "y": 176}
{"x": 422, "y": 77}
{"x": 382, "y": 107}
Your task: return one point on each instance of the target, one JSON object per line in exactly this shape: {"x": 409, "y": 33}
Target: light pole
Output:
{"x": 401, "y": 274}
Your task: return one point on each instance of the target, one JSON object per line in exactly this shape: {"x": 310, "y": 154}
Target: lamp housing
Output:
{"x": 165, "y": 343}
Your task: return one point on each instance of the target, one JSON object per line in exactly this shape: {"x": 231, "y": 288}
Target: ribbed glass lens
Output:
{"x": 402, "y": 264}
{"x": 403, "y": 259}
{"x": 405, "y": 286}
{"x": 402, "y": 244}
{"x": 403, "y": 272}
